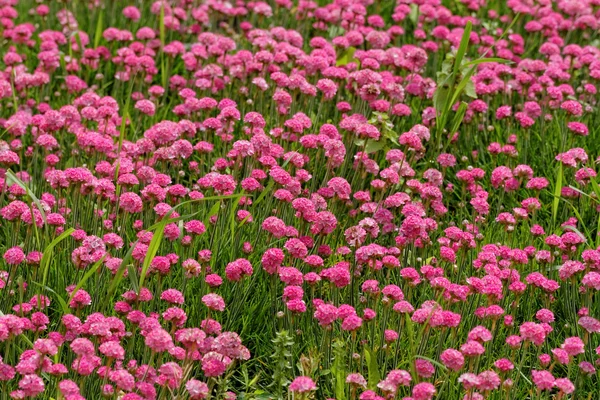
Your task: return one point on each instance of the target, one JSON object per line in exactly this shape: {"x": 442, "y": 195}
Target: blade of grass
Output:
{"x": 486, "y": 60}
{"x": 372, "y": 368}
{"x": 153, "y": 247}
{"x": 214, "y": 210}
{"x": 596, "y": 188}
{"x": 462, "y": 47}
{"x": 59, "y": 298}
{"x": 436, "y": 363}
{"x": 162, "y": 34}
{"x": 263, "y": 194}
{"x": 30, "y": 194}
{"x": 85, "y": 278}
{"x": 132, "y": 274}
{"x": 99, "y": 23}
{"x": 116, "y": 281}
{"x": 47, "y": 254}
{"x": 557, "y": 192}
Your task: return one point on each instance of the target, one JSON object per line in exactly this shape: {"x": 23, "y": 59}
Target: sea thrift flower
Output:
{"x": 302, "y": 384}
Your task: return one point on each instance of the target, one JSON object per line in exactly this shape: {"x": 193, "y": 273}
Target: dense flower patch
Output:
{"x": 355, "y": 199}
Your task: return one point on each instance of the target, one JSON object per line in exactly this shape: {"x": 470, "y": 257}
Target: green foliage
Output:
{"x": 347, "y": 57}
{"x": 282, "y": 361}
{"x": 454, "y": 81}
{"x": 339, "y": 368}
{"x": 374, "y": 376}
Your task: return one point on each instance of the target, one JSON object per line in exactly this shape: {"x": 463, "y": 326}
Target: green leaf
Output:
{"x": 232, "y": 215}
{"x": 32, "y": 196}
{"x": 264, "y": 193}
{"x": 487, "y": 60}
{"x": 85, "y": 278}
{"x": 462, "y": 48}
{"x": 411, "y": 342}
{"x": 440, "y": 98}
{"x": 596, "y": 188}
{"x": 462, "y": 85}
{"x": 374, "y": 146}
{"x": 372, "y": 368}
{"x": 470, "y": 89}
{"x": 576, "y": 231}
{"x": 78, "y": 41}
{"x": 63, "y": 66}
{"x": 132, "y": 274}
{"x": 162, "y": 26}
{"x": 346, "y": 57}
{"x": 59, "y": 298}
{"x": 413, "y": 15}
{"x": 214, "y": 210}
{"x": 458, "y": 118}
{"x": 157, "y": 238}
{"x": 447, "y": 66}
{"x": 122, "y": 129}
{"x": 99, "y": 23}
{"x": 159, "y": 226}
{"x": 436, "y": 363}
{"x": 581, "y": 192}
{"x": 164, "y": 73}
{"x": 334, "y": 31}
{"x": 119, "y": 275}
{"x": 598, "y": 232}
{"x": 47, "y": 254}
{"x": 339, "y": 369}
{"x": 557, "y": 193}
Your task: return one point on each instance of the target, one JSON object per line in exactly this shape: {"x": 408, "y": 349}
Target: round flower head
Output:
{"x": 302, "y": 384}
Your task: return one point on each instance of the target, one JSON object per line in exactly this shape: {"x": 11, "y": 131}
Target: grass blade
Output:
{"x": 119, "y": 275}
{"x": 152, "y": 250}
{"x": 47, "y": 254}
{"x": 557, "y": 193}
{"x": 462, "y": 48}
{"x": 99, "y": 23}
{"x": 85, "y": 278}
{"x": 32, "y": 196}
{"x": 372, "y": 368}
{"x": 59, "y": 298}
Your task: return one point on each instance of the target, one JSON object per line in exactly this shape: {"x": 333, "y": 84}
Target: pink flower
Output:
{"x": 573, "y": 346}
{"x": 356, "y": 380}
{"x": 214, "y": 364}
{"x": 214, "y": 302}
{"x": 423, "y": 391}
{"x": 424, "y": 368}
{"x": 325, "y": 314}
{"x": 543, "y": 380}
{"x": 196, "y": 389}
{"x": 352, "y": 323}
{"x": 112, "y": 349}
{"x": 533, "y": 332}
{"x": 14, "y": 256}
{"x": 564, "y": 385}
{"x": 131, "y": 202}
{"x": 302, "y": 384}
{"x": 237, "y": 269}
{"x": 452, "y": 359}
{"x": 488, "y": 380}
{"x": 145, "y": 106}
{"x": 159, "y": 340}
{"x": 172, "y": 296}
{"x": 31, "y": 385}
